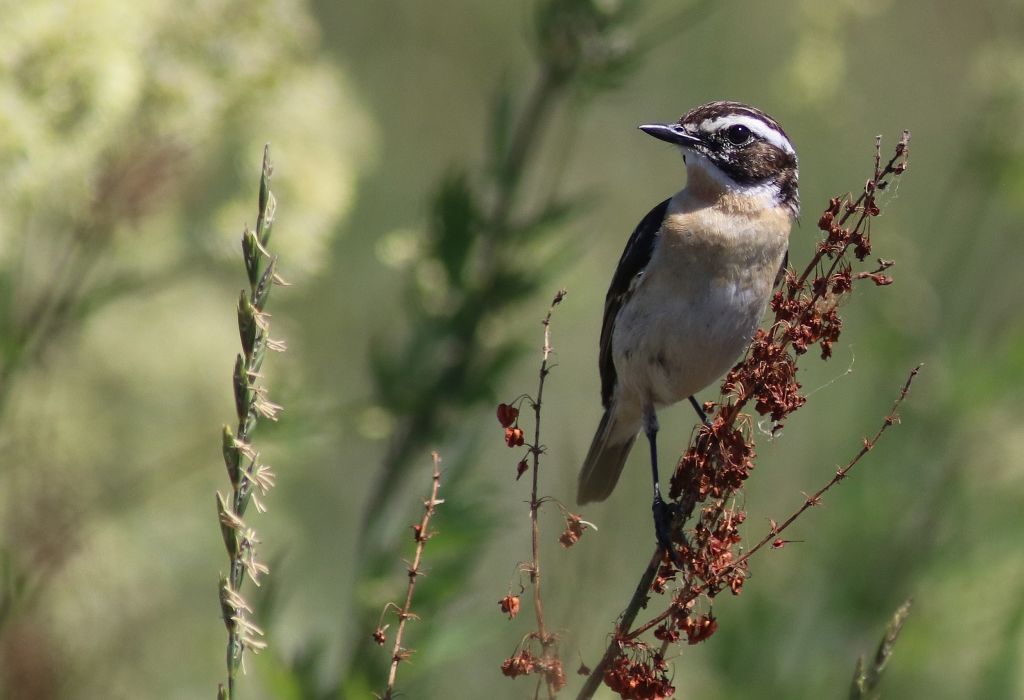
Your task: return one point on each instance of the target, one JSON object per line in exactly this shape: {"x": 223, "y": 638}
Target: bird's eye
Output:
{"x": 738, "y": 135}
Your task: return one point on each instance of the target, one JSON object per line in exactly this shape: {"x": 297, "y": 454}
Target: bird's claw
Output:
{"x": 663, "y": 513}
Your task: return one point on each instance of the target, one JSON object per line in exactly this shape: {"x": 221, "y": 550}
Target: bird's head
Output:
{"x": 739, "y": 147}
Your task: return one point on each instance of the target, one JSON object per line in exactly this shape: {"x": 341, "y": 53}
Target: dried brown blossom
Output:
{"x": 697, "y": 630}
{"x": 736, "y": 581}
{"x": 507, "y": 415}
{"x": 644, "y": 678}
{"x": 666, "y": 573}
{"x": 510, "y": 605}
{"x": 521, "y": 468}
{"x": 666, "y": 633}
{"x": 521, "y": 663}
{"x": 514, "y": 437}
{"x": 574, "y": 527}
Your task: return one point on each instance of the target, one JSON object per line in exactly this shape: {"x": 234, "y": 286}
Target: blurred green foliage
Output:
{"x": 129, "y": 143}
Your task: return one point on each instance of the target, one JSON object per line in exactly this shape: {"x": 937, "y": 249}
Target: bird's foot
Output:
{"x": 663, "y": 513}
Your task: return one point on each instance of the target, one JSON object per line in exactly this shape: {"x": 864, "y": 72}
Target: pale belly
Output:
{"x": 694, "y": 309}
{"x": 672, "y": 340}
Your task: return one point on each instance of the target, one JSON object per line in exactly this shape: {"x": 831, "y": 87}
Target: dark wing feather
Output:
{"x": 633, "y": 261}
{"x": 781, "y": 274}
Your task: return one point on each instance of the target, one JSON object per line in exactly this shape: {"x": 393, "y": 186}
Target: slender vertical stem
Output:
{"x": 537, "y": 110}
{"x": 546, "y": 640}
{"x": 248, "y": 476}
{"x": 422, "y": 535}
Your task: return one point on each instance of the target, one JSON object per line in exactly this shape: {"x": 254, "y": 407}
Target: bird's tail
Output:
{"x": 607, "y": 455}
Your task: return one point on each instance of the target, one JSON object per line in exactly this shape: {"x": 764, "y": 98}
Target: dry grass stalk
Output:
{"x": 537, "y": 653}
{"x": 421, "y": 533}
{"x": 250, "y": 478}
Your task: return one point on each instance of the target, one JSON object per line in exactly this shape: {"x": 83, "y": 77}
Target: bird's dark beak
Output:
{"x": 673, "y": 133}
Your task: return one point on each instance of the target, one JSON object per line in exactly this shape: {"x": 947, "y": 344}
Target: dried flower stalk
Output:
{"x": 421, "y": 533}
{"x": 524, "y": 661}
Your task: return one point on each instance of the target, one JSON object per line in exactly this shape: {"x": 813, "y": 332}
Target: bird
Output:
{"x": 692, "y": 284}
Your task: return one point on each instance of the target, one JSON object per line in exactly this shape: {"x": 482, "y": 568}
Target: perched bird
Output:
{"x": 693, "y": 282}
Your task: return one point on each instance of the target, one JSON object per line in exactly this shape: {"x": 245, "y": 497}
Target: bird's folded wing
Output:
{"x": 634, "y": 260}
{"x": 781, "y": 274}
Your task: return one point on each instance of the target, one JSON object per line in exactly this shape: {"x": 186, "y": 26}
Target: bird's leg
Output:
{"x": 700, "y": 411}
{"x": 662, "y": 511}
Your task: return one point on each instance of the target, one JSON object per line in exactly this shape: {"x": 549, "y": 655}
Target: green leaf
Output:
{"x": 500, "y": 131}
{"x": 456, "y": 227}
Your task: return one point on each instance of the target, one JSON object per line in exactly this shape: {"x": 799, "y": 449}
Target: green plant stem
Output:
{"x": 244, "y": 469}
{"x": 535, "y": 116}
{"x": 425, "y": 420}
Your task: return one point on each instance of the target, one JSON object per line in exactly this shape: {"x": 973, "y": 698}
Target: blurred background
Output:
{"x": 441, "y": 170}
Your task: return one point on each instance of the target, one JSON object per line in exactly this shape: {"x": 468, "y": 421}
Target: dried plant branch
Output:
{"x": 721, "y": 456}
{"x": 547, "y": 641}
{"x": 811, "y": 501}
{"x": 841, "y": 473}
{"x": 250, "y": 478}
{"x": 524, "y": 661}
{"x": 624, "y": 633}
{"x": 421, "y": 533}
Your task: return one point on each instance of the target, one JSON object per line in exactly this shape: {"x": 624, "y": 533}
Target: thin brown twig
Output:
{"x": 398, "y": 653}
{"x": 546, "y": 640}
{"x": 548, "y": 666}
{"x": 809, "y": 502}
{"x": 841, "y": 473}
{"x": 642, "y": 592}
{"x": 895, "y": 166}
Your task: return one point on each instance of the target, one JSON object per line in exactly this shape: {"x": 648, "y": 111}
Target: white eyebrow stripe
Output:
{"x": 769, "y": 134}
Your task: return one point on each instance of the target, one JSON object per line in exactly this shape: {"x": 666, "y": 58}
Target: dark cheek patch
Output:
{"x": 760, "y": 161}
